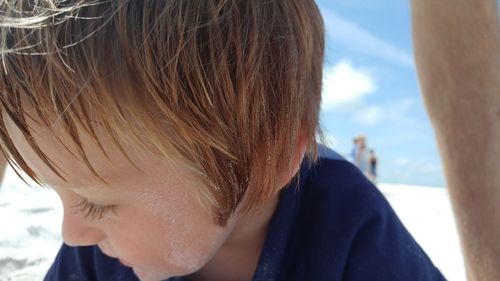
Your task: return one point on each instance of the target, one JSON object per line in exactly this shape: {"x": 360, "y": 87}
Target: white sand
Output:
{"x": 30, "y": 222}
{"x": 427, "y": 214}
{"x": 30, "y": 228}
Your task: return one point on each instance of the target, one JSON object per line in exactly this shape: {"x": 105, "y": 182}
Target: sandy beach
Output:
{"x": 31, "y": 218}
{"x": 30, "y": 236}
{"x": 426, "y": 213}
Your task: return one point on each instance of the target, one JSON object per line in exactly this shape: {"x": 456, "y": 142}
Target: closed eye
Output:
{"x": 94, "y": 211}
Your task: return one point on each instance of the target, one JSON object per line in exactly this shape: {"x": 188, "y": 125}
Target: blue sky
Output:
{"x": 370, "y": 87}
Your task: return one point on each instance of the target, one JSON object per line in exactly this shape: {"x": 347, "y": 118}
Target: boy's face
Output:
{"x": 154, "y": 221}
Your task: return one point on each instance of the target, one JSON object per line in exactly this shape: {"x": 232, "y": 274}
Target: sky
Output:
{"x": 370, "y": 87}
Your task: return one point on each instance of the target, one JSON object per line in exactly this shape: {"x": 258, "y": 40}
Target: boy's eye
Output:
{"x": 92, "y": 210}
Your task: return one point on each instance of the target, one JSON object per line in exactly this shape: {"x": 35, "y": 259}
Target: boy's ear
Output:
{"x": 298, "y": 156}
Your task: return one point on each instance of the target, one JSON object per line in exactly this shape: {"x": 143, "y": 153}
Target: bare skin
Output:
{"x": 457, "y": 45}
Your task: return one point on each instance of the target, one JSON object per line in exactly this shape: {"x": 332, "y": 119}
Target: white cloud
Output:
{"x": 394, "y": 112}
{"x": 398, "y": 112}
{"x": 370, "y": 116}
{"x": 402, "y": 161}
{"x": 344, "y": 85}
{"x": 344, "y": 32}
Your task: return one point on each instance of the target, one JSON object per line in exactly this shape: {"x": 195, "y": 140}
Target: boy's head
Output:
{"x": 227, "y": 89}
{"x": 227, "y": 86}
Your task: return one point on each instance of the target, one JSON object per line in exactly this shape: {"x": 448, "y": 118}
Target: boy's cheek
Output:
{"x": 164, "y": 258}
{"x": 144, "y": 239}
{"x": 181, "y": 248}
{"x": 165, "y": 230}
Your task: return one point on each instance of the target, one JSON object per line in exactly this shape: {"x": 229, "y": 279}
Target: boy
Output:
{"x": 173, "y": 131}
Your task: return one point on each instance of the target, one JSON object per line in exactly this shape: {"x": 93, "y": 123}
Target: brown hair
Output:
{"x": 225, "y": 85}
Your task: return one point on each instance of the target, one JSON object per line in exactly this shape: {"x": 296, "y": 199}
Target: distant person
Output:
{"x": 361, "y": 156}
{"x": 352, "y": 155}
{"x": 372, "y": 162}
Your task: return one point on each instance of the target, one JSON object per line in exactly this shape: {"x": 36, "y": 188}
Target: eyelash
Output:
{"x": 92, "y": 210}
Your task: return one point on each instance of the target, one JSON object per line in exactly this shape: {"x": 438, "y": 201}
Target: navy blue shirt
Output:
{"x": 331, "y": 224}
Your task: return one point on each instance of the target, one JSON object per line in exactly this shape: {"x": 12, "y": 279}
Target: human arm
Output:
{"x": 457, "y": 49}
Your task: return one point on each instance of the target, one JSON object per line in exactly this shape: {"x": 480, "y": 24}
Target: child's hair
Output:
{"x": 227, "y": 87}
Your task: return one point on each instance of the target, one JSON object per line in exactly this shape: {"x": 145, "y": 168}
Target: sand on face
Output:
{"x": 30, "y": 224}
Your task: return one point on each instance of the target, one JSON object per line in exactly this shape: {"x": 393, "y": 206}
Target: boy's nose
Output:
{"x": 78, "y": 232}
